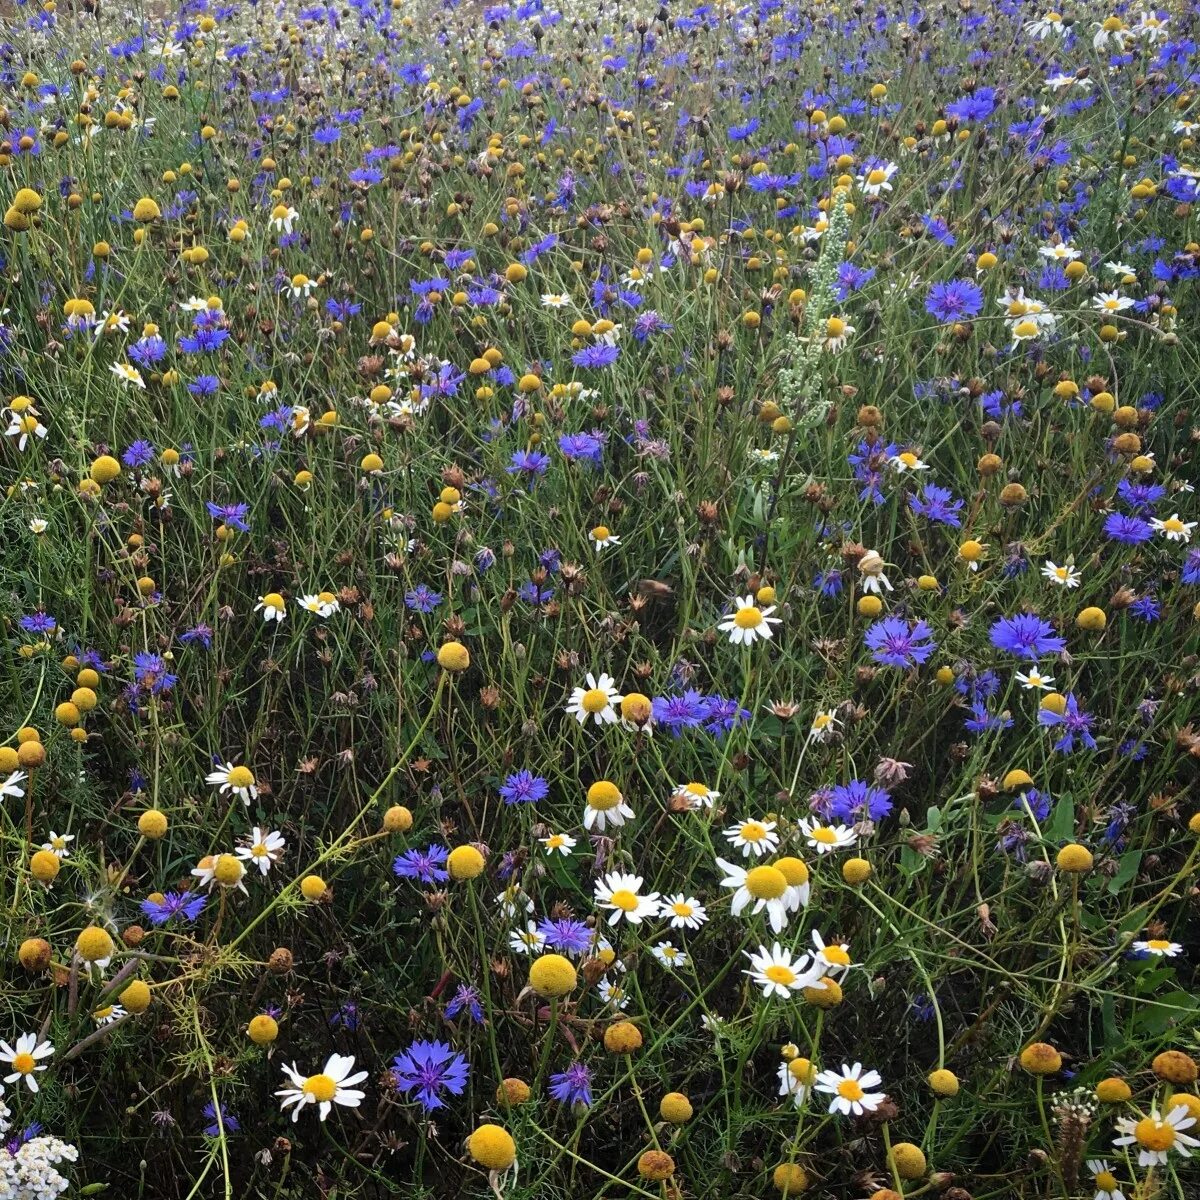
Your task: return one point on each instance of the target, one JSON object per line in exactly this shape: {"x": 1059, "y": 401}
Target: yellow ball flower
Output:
{"x": 552, "y": 976}
{"x": 943, "y": 1082}
{"x": 908, "y": 1159}
{"x": 263, "y": 1029}
{"x": 623, "y": 1037}
{"x": 856, "y": 871}
{"x": 94, "y": 944}
{"x": 492, "y": 1147}
{"x": 44, "y": 866}
{"x": 1074, "y": 859}
{"x": 1092, "y": 619}
{"x": 152, "y": 824}
{"x": 34, "y": 954}
{"x": 1041, "y": 1059}
{"x": 656, "y": 1165}
{"x": 453, "y": 656}
{"x": 826, "y": 994}
{"x": 464, "y": 862}
{"x": 146, "y": 210}
{"x": 1113, "y": 1091}
{"x": 675, "y": 1108}
{"x": 512, "y": 1092}
{"x": 312, "y": 887}
{"x": 105, "y": 469}
{"x": 136, "y": 997}
{"x": 1175, "y": 1067}
{"x": 789, "y": 1179}
{"x": 397, "y": 819}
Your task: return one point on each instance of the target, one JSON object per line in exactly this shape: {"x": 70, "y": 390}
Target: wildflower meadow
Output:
{"x": 599, "y": 600}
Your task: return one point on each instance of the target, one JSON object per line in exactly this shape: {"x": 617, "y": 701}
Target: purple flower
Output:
{"x": 1128, "y": 529}
{"x": 954, "y": 300}
{"x": 601, "y": 355}
{"x": 233, "y": 515}
{"x": 139, "y": 454}
{"x": 39, "y": 622}
{"x": 187, "y": 905}
{"x": 572, "y": 1086}
{"x": 856, "y": 800}
{"x": 678, "y": 713}
{"x": 723, "y": 715}
{"x": 1038, "y": 803}
{"x": 421, "y": 599}
{"x": 198, "y": 633}
{"x": 531, "y": 463}
{"x": 581, "y": 447}
{"x": 1076, "y": 724}
{"x": 894, "y": 644}
{"x": 466, "y": 997}
{"x": 524, "y": 787}
{"x": 430, "y": 1069}
{"x": 937, "y": 504}
{"x": 566, "y": 934}
{"x": 151, "y": 674}
{"x": 425, "y": 865}
{"x": 227, "y": 1124}
{"x": 983, "y": 721}
{"x": 1026, "y": 636}
{"x": 1191, "y": 567}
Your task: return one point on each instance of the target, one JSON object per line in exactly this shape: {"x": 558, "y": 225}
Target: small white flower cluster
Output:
{"x": 31, "y": 1173}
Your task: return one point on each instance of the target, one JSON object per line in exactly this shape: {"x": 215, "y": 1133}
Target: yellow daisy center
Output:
{"x": 766, "y": 883}
{"x": 625, "y": 900}
{"x": 680, "y": 909}
{"x": 752, "y": 831}
{"x": 320, "y": 1087}
{"x": 849, "y": 1089}
{"x": 876, "y": 177}
{"x": 24, "y": 1063}
{"x": 1173, "y": 525}
{"x": 822, "y": 833}
{"x": 258, "y": 850}
{"x": 1158, "y": 944}
{"x": 1154, "y": 1134}
{"x": 1106, "y": 1181}
{"x": 836, "y": 955}
{"x": 748, "y": 618}
{"x": 780, "y": 974}
{"x": 241, "y": 777}
{"x": 594, "y": 700}
{"x": 601, "y": 533}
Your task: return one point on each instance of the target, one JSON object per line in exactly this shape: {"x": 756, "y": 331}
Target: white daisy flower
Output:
{"x": 779, "y": 973}
{"x": 764, "y": 886}
{"x": 331, "y": 1086}
{"x": 622, "y": 894}
{"x": 560, "y": 842}
{"x": 239, "y": 780}
{"x": 683, "y": 912}
{"x": 599, "y": 700}
{"x": 849, "y": 1089}
{"x": 826, "y": 838}
{"x": 749, "y": 623}
{"x": 668, "y": 955}
{"x": 1173, "y": 529}
{"x": 264, "y": 849}
{"x": 25, "y": 1059}
{"x": 1156, "y": 1136}
{"x": 1063, "y": 576}
{"x": 753, "y": 838}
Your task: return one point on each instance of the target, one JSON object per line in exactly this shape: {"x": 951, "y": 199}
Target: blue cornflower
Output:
{"x": 1075, "y": 723}
{"x": 954, "y": 301}
{"x": 233, "y": 515}
{"x": 581, "y": 447}
{"x": 572, "y": 1086}
{"x": 894, "y": 643}
{"x": 1191, "y": 567}
{"x": 422, "y": 599}
{"x": 1038, "y": 803}
{"x": 649, "y": 322}
{"x": 425, "y": 865}
{"x": 198, "y": 633}
{"x": 723, "y": 714}
{"x": 150, "y": 673}
{"x": 829, "y": 583}
{"x": 856, "y": 799}
{"x": 937, "y": 504}
{"x": 531, "y": 463}
{"x": 983, "y": 721}
{"x": 678, "y": 713}
{"x": 228, "y": 1122}
{"x": 187, "y": 905}
{"x": 1128, "y": 529}
{"x": 139, "y": 454}
{"x": 1146, "y": 608}
{"x": 566, "y": 934}
{"x": 602, "y": 355}
{"x": 466, "y": 997}
{"x": 203, "y": 340}
{"x": 204, "y": 385}
{"x": 430, "y": 1069}
{"x": 1026, "y": 636}
{"x": 38, "y": 622}
{"x": 524, "y": 787}
{"x": 1140, "y": 497}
